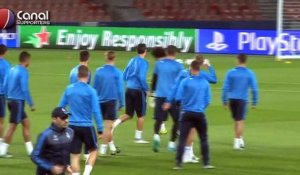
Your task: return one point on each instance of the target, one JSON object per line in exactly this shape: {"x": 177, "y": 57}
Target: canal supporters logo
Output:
{"x": 7, "y": 18}
{"x": 38, "y": 40}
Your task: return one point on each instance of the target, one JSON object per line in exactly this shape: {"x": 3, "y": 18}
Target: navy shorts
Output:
{"x": 238, "y": 109}
{"x": 85, "y": 135}
{"x": 2, "y": 106}
{"x": 17, "y": 111}
{"x": 161, "y": 115}
{"x": 109, "y": 110}
{"x": 135, "y": 102}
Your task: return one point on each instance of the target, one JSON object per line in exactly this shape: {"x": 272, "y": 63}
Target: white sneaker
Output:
{"x": 236, "y": 144}
{"x": 208, "y": 167}
{"x": 189, "y": 160}
{"x": 141, "y": 141}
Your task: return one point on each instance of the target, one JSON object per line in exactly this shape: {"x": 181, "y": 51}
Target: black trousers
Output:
{"x": 193, "y": 120}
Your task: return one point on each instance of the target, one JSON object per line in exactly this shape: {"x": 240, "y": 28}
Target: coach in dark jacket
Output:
{"x": 52, "y": 151}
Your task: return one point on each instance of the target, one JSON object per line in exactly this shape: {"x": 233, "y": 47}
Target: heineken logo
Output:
{"x": 129, "y": 42}
{"x": 39, "y": 39}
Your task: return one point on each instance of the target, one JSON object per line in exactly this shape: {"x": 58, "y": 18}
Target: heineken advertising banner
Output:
{"x": 114, "y": 38}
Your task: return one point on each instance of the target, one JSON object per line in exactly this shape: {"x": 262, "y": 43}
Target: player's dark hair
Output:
{"x": 110, "y": 55}
{"x": 84, "y": 56}
{"x": 195, "y": 65}
{"x": 3, "y": 49}
{"x": 24, "y": 56}
{"x": 158, "y": 52}
{"x": 171, "y": 50}
{"x": 141, "y": 48}
{"x": 83, "y": 71}
{"x": 199, "y": 58}
{"x": 242, "y": 58}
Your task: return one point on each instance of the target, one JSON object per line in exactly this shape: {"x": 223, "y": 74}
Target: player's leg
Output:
{"x": 140, "y": 108}
{"x": 15, "y": 118}
{"x": 76, "y": 147}
{"x": 189, "y": 156}
{"x": 159, "y": 116}
{"x": 233, "y": 105}
{"x": 185, "y": 126}
{"x": 200, "y": 124}
{"x": 2, "y": 115}
{"x": 104, "y": 144}
{"x": 239, "y": 122}
{"x": 75, "y": 164}
{"x": 107, "y": 137}
{"x": 175, "y": 112}
{"x": 111, "y": 108}
{"x": 90, "y": 141}
{"x": 26, "y": 135}
{"x": 238, "y": 111}
{"x": 129, "y": 108}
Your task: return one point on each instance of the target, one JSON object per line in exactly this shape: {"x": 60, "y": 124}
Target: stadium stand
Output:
{"x": 228, "y": 10}
{"x": 63, "y": 11}
{"x": 154, "y": 10}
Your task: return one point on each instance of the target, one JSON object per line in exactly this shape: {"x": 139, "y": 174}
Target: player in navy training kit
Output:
{"x": 135, "y": 75}
{"x": 17, "y": 92}
{"x": 194, "y": 97}
{"x": 235, "y": 95}
{"x": 4, "y": 70}
{"x": 52, "y": 151}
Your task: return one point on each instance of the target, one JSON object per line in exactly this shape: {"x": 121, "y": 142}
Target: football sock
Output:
{"x": 29, "y": 147}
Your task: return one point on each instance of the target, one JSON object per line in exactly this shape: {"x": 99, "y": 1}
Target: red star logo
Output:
{"x": 43, "y": 36}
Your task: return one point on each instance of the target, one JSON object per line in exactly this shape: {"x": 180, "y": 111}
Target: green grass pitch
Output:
{"x": 272, "y": 130}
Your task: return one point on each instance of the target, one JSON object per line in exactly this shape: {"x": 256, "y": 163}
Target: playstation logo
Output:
{"x": 217, "y": 44}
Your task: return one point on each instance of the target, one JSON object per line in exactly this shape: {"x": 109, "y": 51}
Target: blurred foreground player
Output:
{"x": 17, "y": 91}
{"x": 135, "y": 75}
{"x": 52, "y": 151}
{"x": 83, "y": 103}
{"x": 194, "y": 97}
{"x": 235, "y": 96}
{"x": 109, "y": 85}
{"x": 4, "y": 70}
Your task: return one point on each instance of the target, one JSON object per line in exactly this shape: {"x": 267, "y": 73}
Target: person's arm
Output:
{"x": 96, "y": 111}
{"x": 254, "y": 89}
{"x": 207, "y": 98}
{"x": 120, "y": 86}
{"x": 225, "y": 89}
{"x": 25, "y": 88}
{"x": 175, "y": 86}
{"x": 96, "y": 80}
{"x": 5, "y": 84}
{"x": 142, "y": 76}
{"x": 63, "y": 100}
{"x": 180, "y": 91}
{"x": 37, "y": 151}
{"x": 90, "y": 78}
{"x": 211, "y": 76}
{"x": 71, "y": 77}
{"x": 154, "y": 82}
